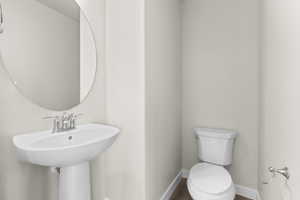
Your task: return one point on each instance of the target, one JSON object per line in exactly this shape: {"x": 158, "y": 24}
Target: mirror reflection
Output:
{"x": 48, "y": 49}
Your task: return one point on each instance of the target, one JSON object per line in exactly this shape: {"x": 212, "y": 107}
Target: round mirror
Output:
{"x": 48, "y": 49}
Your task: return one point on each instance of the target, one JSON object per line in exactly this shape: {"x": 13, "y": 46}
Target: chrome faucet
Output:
{"x": 65, "y": 122}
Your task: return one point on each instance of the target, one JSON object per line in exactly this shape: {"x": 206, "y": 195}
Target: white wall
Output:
{"x": 125, "y": 170}
{"x": 30, "y": 49}
{"x": 220, "y": 78}
{"x": 21, "y": 181}
{"x": 281, "y": 96}
{"x": 220, "y": 89}
{"x": 163, "y": 94}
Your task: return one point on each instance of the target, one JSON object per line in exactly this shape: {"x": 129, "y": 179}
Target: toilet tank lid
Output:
{"x": 215, "y": 133}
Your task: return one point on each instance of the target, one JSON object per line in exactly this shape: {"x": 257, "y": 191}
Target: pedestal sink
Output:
{"x": 70, "y": 151}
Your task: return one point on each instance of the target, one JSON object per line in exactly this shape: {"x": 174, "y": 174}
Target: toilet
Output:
{"x": 209, "y": 180}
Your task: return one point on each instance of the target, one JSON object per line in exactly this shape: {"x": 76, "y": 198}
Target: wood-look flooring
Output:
{"x": 182, "y": 193}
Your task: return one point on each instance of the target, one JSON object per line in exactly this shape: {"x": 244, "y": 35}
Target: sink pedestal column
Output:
{"x": 74, "y": 182}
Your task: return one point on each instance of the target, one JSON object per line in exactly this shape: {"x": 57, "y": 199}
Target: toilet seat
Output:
{"x": 210, "y": 182}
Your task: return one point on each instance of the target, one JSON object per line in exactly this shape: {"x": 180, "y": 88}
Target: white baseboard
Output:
{"x": 247, "y": 192}
{"x": 170, "y": 190}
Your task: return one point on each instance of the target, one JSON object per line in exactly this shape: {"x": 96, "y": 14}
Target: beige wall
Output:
{"x": 220, "y": 78}
{"x": 20, "y": 181}
{"x": 281, "y": 97}
{"x": 125, "y": 173}
{"x": 163, "y": 94}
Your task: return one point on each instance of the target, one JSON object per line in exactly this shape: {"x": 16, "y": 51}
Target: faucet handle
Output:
{"x": 65, "y": 116}
{"x": 73, "y": 119}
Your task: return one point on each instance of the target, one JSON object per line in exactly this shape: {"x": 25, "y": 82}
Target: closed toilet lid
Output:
{"x": 209, "y": 178}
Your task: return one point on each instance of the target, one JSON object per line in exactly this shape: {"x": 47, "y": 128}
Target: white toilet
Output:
{"x": 209, "y": 180}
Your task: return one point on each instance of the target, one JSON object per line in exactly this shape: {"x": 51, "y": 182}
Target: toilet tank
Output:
{"x": 215, "y": 145}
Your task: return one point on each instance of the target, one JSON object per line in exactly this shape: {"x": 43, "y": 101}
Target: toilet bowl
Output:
{"x": 209, "y": 180}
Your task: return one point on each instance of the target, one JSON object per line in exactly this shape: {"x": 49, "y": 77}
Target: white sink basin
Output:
{"x": 66, "y": 148}
{"x": 70, "y": 151}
